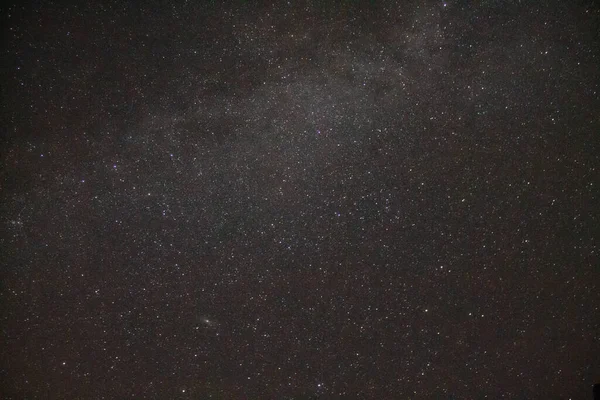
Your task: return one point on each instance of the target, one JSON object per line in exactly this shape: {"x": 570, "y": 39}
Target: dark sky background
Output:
{"x": 359, "y": 199}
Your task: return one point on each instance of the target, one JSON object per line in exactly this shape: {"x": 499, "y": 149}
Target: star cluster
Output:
{"x": 354, "y": 199}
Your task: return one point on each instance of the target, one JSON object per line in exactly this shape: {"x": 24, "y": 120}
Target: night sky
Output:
{"x": 335, "y": 200}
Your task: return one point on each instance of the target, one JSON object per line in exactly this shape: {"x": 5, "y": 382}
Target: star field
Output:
{"x": 353, "y": 199}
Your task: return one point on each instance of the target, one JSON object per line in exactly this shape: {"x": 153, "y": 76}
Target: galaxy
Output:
{"x": 300, "y": 200}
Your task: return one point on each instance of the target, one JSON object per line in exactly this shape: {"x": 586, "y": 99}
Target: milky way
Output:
{"x": 367, "y": 200}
